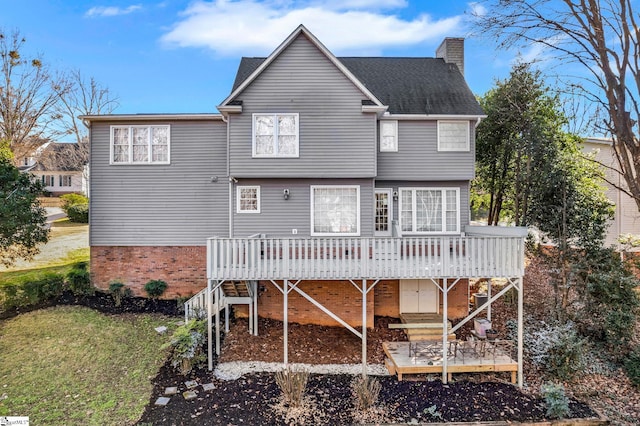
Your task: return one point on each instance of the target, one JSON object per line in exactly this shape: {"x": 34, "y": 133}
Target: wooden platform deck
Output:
{"x": 462, "y": 357}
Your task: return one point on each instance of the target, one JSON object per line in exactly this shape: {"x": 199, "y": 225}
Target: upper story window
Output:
{"x": 140, "y": 144}
{"x": 248, "y": 199}
{"x": 275, "y": 135}
{"x": 335, "y": 210}
{"x": 430, "y": 210}
{"x": 389, "y": 136}
{"x": 453, "y": 136}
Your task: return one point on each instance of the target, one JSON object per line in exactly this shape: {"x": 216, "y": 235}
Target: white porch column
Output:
{"x": 489, "y": 298}
{"x": 285, "y": 319}
{"x": 364, "y": 328}
{"x": 209, "y": 324}
{"x": 520, "y": 329}
{"x": 445, "y": 308}
{"x": 218, "y": 291}
{"x": 256, "y": 288}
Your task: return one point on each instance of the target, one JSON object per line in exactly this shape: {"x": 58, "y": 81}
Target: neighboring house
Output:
{"x": 329, "y": 190}
{"x": 626, "y": 219}
{"x": 61, "y": 167}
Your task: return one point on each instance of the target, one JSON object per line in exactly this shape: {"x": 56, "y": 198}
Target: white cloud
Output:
{"x": 106, "y": 11}
{"x": 253, "y": 27}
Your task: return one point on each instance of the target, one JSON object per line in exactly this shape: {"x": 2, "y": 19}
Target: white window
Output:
{"x": 48, "y": 180}
{"x": 429, "y": 210}
{"x": 335, "y": 210}
{"x": 275, "y": 135}
{"x": 65, "y": 180}
{"x": 140, "y": 144}
{"x": 389, "y": 136}
{"x": 453, "y": 136}
{"x": 248, "y": 199}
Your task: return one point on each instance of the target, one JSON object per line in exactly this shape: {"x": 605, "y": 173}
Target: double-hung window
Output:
{"x": 453, "y": 136}
{"x": 388, "y": 136}
{"x": 275, "y": 135}
{"x": 65, "y": 180}
{"x": 430, "y": 210}
{"x": 248, "y": 199}
{"x": 48, "y": 180}
{"x": 335, "y": 210}
{"x": 140, "y": 144}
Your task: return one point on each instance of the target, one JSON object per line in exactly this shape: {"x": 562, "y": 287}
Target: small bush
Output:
{"x": 557, "y": 349}
{"x": 556, "y": 401}
{"x": 79, "y": 280}
{"x": 155, "y": 288}
{"x": 187, "y": 346}
{"x": 78, "y": 213}
{"x": 632, "y": 366}
{"x": 365, "y": 392}
{"x": 292, "y": 384}
{"x": 119, "y": 291}
{"x": 31, "y": 292}
{"x": 72, "y": 200}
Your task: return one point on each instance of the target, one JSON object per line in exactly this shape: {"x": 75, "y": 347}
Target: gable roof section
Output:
{"x": 62, "y": 157}
{"x": 407, "y": 85}
{"x": 249, "y": 73}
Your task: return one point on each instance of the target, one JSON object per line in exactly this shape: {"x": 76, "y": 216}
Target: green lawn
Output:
{"x": 74, "y": 366}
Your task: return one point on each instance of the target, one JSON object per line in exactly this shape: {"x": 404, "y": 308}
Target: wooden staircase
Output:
{"x": 420, "y": 327}
{"x": 235, "y": 289}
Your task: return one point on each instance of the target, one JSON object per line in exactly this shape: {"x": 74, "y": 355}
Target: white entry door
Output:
{"x": 418, "y": 296}
{"x": 383, "y": 213}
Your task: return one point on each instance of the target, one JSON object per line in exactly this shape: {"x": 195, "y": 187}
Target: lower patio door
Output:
{"x": 419, "y": 296}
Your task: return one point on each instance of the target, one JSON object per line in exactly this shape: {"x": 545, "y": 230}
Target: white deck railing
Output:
{"x": 196, "y": 307}
{"x": 364, "y": 258}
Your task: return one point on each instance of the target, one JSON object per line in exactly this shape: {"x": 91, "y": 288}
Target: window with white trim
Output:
{"x": 453, "y": 136}
{"x": 275, "y": 135}
{"x": 389, "y": 136}
{"x": 65, "y": 180}
{"x": 140, "y": 144}
{"x": 430, "y": 210}
{"x": 248, "y": 199}
{"x": 48, "y": 180}
{"x": 335, "y": 210}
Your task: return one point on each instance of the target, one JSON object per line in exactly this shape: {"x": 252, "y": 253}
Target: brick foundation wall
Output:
{"x": 344, "y": 300}
{"x": 184, "y": 268}
{"x": 340, "y": 297}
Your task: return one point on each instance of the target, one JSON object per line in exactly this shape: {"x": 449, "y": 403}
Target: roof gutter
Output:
{"x": 150, "y": 117}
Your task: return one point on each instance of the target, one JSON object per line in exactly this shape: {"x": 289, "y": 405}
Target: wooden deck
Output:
{"x": 462, "y": 357}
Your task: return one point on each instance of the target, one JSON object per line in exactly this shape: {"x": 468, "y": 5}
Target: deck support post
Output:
{"x": 364, "y": 328}
{"x": 520, "y": 329}
{"x": 256, "y": 287}
{"x": 285, "y": 320}
{"x": 218, "y": 292}
{"x": 489, "y": 298}
{"x": 209, "y": 329}
{"x": 445, "y": 308}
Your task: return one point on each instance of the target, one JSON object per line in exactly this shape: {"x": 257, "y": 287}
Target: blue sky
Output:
{"x": 177, "y": 56}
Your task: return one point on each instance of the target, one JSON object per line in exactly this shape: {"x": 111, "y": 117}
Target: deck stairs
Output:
{"x": 428, "y": 326}
{"x": 232, "y": 293}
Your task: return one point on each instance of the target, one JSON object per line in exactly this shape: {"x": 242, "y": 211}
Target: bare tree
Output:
{"x": 84, "y": 97}
{"x": 28, "y": 93}
{"x": 597, "y": 44}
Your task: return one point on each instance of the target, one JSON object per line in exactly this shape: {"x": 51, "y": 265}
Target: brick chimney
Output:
{"x": 452, "y": 51}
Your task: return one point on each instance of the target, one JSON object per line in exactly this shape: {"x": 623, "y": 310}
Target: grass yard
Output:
{"x": 75, "y": 366}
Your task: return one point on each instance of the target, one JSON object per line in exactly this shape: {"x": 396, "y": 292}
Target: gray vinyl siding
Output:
{"x": 335, "y": 138}
{"x": 462, "y": 185}
{"x": 418, "y": 158}
{"x": 278, "y": 217}
{"x": 161, "y": 205}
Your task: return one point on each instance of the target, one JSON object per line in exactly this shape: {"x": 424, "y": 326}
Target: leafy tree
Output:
{"x": 22, "y": 220}
{"x": 519, "y": 136}
{"x": 598, "y": 42}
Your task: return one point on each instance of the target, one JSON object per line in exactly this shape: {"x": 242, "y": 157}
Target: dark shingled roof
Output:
{"x": 59, "y": 156}
{"x": 406, "y": 85}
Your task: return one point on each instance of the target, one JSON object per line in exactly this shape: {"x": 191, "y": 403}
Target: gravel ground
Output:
{"x": 236, "y": 369}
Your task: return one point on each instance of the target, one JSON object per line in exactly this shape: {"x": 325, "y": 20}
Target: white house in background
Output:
{"x": 59, "y": 166}
{"x": 627, "y": 218}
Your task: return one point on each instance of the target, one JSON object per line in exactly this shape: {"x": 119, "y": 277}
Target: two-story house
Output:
{"x": 328, "y": 190}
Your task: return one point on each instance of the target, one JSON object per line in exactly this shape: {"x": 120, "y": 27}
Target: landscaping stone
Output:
{"x": 172, "y": 390}
{"x": 190, "y": 384}
{"x": 163, "y": 400}
{"x": 208, "y": 387}
{"x": 161, "y": 330}
{"x": 189, "y": 395}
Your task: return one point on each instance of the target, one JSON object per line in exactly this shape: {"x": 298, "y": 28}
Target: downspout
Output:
{"x": 226, "y": 120}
